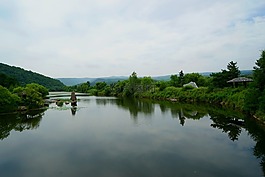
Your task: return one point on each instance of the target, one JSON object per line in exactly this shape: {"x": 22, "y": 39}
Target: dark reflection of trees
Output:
{"x": 257, "y": 132}
{"x": 19, "y": 122}
{"x": 232, "y": 123}
{"x": 136, "y": 106}
{"x": 147, "y": 107}
{"x": 102, "y": 101}
{"x": 184, "y": 111}
{"x": 179, "y": 111}
{"x": 228, "y": 124}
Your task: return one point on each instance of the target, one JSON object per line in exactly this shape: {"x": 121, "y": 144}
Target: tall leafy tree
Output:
{"x": 147, "y": 83}
{"x": 232, "y": 70}
{"x": 174, "y": 80}
{"x": 220, "y": 79}
{"x": 132, "y": 84}
{"x": 259, "y": 80}
{"x": 181, "y": 77}
{"x": 259, "y": 72}
{"x": 8, "y": 101}
{"x": 32, "y": 95}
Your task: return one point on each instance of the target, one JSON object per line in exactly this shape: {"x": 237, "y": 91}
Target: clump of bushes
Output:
{"x": 30, "y": 96}
{"x": 8, "y": 101}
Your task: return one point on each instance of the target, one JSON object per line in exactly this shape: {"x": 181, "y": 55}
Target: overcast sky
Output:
{"x": 94, "y": 38}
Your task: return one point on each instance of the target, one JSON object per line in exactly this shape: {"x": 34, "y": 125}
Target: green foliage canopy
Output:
{"x": 220, "y": 79}
{"x": 7, "y": 81}
{"x": 259, "y": 72}
{"x": 8, "y": 101}
{"x": 32, "y": 95}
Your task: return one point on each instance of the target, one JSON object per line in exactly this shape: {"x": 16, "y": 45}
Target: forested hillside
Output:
{"x": 26, "y": 77}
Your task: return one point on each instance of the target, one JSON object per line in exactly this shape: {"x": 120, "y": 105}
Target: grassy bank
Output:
{"x": 235, "y": 98}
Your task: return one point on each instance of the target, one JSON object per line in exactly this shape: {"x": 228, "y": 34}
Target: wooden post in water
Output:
{"x": 73, "y": 99}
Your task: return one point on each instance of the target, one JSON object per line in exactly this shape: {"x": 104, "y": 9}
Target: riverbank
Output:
{"x": 235, "y": 98}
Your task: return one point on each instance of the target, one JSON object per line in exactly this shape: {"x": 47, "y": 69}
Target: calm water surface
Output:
{"x": 129, "y": 138}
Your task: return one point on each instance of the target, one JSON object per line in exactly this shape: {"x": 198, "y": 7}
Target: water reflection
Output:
{"x": 183, "y": 111}
{"x": 73, "y": 110}
{"x": 147, "y": 107}
{"x": 230, "y": 125}
{"x": 112, "y": 147}
{"x": 228, "y": 121}
{"x": 256, "y": 131}
{"x": 20, "y": 122}
{"x": 136, "y": 106}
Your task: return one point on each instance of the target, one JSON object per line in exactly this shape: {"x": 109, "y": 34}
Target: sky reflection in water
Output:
{"x": 113, "y": 137}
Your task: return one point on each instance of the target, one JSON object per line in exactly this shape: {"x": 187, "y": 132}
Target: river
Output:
{"x": 107, "y": 136}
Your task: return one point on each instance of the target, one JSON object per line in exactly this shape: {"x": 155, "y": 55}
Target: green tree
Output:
{"x": 220, "y": 79}
{"x": 107, "y": 91}
{"x": 32, "y": 95}
{"x": 133, "y": 84}
{"x": 181, "y": 78}
{"x": 174, "y": 80}
{"x": 83, "y": 88}
{"x": 119, "y": 87}
{"x": 147, "y": 83}
{"x": 162, "y": 85}
{"x": 88, "y": 84}
{"x": 232, "y": 70}
{"x": 259, "y": 72}
{"x": 8, "y": 101}
{"x": 39, "y": 88}
{"x": 195, "y": 77}
{"x": 7, "y": 81}
{"x": 100, "y": 85}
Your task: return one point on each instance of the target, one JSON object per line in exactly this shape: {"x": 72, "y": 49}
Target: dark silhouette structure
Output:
{"x": 73, "y": 99}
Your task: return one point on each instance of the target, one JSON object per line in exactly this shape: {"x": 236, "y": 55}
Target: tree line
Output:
{"x": 212, "y": 89}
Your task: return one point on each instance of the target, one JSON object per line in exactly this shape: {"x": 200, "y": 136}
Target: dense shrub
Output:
{"x": 32, "y": 95}
{"x": 8, "y": 101}
{"x": 29, "y": 97}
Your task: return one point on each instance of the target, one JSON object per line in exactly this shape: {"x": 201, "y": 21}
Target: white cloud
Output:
{"x": 117, "y": 37}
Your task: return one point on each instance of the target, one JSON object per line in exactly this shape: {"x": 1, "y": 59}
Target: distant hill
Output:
{"x": 75, "y": 81}
{"x": 114, "y": 79}
{"x": 246, "y": 72}
{"x": 93, "y": 81}
{"x": 26, "y": 77}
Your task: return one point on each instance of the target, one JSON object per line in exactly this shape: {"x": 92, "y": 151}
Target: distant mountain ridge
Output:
{"x": 113, "y": 79}
{"x": 76, "y": 81}
{"x": 26, "y": 77}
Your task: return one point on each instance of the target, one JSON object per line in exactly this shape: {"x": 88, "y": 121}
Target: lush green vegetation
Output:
{"x": 24, "y": 77}
{"x": 7, "y": 81}
{"x": 22, "y": 98}
{"x": 15, "y": 95}
{"x": 213, "y": 89}
{"x": 8, "y": 101}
